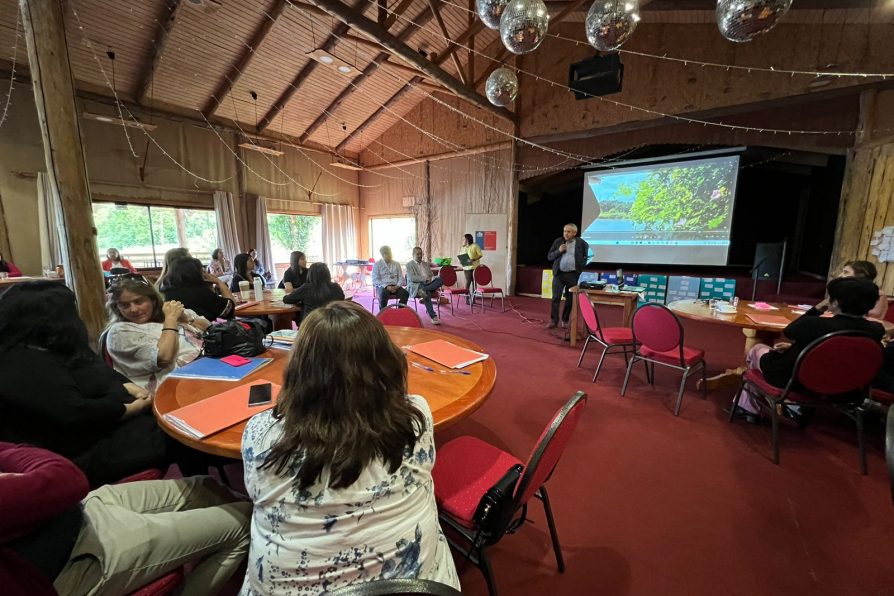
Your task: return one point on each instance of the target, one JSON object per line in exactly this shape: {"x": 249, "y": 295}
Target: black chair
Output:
{"x": 386, "y": 587}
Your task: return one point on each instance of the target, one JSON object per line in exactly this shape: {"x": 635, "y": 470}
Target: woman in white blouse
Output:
{"x": 340, "y": 470}
{"x": 148, "y": 338}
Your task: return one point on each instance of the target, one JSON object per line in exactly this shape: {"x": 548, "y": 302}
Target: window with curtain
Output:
{"x": 397, "y": 232}
{"x": 142, "y": 234}
{"x": 290, "y": 232}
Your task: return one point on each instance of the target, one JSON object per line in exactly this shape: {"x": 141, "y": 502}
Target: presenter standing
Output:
{"x": 569, "y": 257}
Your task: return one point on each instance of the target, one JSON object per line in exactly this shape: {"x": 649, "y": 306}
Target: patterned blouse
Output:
{"x": 383, "y": 526}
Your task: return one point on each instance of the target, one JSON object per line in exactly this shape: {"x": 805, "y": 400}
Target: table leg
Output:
{"x": 629, "y": 307}
{"x": 731, "y": 377}
{"x": 572, "y": 324}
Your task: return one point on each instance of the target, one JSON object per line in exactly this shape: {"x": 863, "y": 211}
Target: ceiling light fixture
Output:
{"x": 260, "y": 148}
{"x": 118, "y": 121}
{"x": 327, "y": 59}
{"x": 346, "y": 164}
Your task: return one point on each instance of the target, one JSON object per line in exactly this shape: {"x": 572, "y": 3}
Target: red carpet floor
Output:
{"x": 650, "y": 504}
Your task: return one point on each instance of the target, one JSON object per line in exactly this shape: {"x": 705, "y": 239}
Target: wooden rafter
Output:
{"x": 229, "y": 81}
{"x": 167, "y": 16}
{"x": 382, "y": 58}
{"x": 337, "y": 33}
{"x": 446, "y": 33}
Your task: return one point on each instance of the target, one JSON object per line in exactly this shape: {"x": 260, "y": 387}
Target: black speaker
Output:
{"x": 767, "y": 260}
{"x": 600, "y": 75}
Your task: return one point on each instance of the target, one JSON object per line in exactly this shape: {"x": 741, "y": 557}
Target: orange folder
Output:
{"x": 220, "y": 411}
{"x": 776, "y": 320}
{"x": 447, "y": 354}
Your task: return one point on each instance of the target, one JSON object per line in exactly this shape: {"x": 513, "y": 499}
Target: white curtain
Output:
{"x": 225, "y": 210}
{"x": 262, "y": 238}
{"x": 339, "y": 234}
{"x": 49, "y": 216}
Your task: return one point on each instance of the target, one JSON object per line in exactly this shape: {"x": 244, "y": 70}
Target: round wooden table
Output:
{"x": 272, "y": 305}
{"x": 754, "y": 332}
{"x": 451, "y": 397}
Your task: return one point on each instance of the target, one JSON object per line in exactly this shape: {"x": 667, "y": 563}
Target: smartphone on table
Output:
{"x": 260, "y": 395}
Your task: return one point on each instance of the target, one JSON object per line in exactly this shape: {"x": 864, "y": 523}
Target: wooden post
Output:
{"x": 57, "y": 112}
{"x": 426, "y": 238}
{"x": 180, "y": 218}
{"x": 512, "y": 221}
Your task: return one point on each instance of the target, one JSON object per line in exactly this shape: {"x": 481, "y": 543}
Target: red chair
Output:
{"x": 658, "y": 339}
{"x": 483, "y": 277}
{"x": 467, "y": 467}
{"x": 832, "y": 372}
{"x": 399, "y": 315}
{"x": 608, "y": 338}
{"x": 889, "y": 448}
{"x": 448, "y": 275}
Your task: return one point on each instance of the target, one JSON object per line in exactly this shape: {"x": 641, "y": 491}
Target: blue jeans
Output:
{"x": 430, "y": 287}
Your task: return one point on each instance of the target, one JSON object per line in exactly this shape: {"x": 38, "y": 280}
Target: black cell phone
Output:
{"x": 260, "y": 395}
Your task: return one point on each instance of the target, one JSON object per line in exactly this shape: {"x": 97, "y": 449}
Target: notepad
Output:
{"x": 775, "y": 320}
{"x": 212, "y": 368}
{"x": 284, "y": 336}
{"x": 763, "y": 306}
{"x": 218, "y": 412}
{"x": 246, "y": 304}
{"x": 448, "y": 354}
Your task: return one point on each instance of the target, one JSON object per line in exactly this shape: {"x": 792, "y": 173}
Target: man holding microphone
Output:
{"x": 569, "y": 257}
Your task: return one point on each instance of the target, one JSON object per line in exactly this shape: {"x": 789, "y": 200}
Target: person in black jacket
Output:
{"x": 295, "y": 276}
{"x": 58, "y": 394}
{"x": 569, "y": 256}
{"x": 243, "y": 270}
{"x": 319, "y": 290}
{"x": 850, "y": 298}
{"x": 189, "y": 283}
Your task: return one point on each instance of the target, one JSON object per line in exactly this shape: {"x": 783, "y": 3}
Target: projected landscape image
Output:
{"x": 683, "y": 204}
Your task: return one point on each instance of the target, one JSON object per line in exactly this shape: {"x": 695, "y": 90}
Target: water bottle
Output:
{"x": 620, "y": 274}
{"x": 259, "y": 289}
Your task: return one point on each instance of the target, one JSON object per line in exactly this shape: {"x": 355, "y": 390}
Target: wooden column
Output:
{"x": 512, "y": 221}
{"x": 57, "y": 112}
{"x": 426, "y": 237}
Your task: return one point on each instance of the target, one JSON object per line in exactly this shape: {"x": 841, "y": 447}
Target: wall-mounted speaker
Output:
{"x": 600, "y": 75}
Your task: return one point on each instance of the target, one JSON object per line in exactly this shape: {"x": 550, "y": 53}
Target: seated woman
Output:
{"x": 58, "y": 394}
{"x": 319, "y": 290}
{"x": 850, "y": 298}
{"x": 147, "y": 338}
{"x": 860, "y": 270}
{"x": 259, "y": 266}
{"x": 9, "y": 268}
{"x": 172, "y": 255}
{"x": 340, "y": 470}
{"x": 189, "y": 284}
{"x": 244, "y": 270}
{"x": 56, "y": 538}
{"x": 220, "y": 266}
{"x": 295, "y": 276}
{"x": 115, "y": 261}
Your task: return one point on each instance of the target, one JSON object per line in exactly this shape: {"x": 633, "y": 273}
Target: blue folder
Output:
{"x": 212, "y": 368}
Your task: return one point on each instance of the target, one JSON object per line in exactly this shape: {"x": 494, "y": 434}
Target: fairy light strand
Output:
{"x": 12, "y": 74}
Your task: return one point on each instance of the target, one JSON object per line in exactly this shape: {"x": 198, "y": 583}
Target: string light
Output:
{"x": 12, "y": 74}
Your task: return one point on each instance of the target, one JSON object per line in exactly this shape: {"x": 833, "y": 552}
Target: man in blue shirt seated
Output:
{"x": 388, "y": 279}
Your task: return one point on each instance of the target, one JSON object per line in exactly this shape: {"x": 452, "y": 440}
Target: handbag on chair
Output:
{"x": 242, "y": 338}
{"x": 495, "y": 505}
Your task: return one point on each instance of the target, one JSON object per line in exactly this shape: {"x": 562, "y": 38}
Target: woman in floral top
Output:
{"x": 340, "y": 470}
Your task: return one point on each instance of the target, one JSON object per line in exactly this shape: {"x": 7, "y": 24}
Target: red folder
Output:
{"x": 448, "y": 354}
{"x": 220, "y": 411}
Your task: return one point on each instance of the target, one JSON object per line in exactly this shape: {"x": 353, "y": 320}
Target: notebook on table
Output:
{"x": 448, "y": 354}
{"x": 214, "y": 369}
{"x": 220, "y": 411}
{"x": 774, "y": 320}
{"x": 242, "y": 305}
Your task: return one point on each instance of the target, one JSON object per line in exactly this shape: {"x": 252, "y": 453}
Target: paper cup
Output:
{"x": 245, "y": 290}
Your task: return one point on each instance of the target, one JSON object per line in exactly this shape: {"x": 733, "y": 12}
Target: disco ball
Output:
{"x": 523, "y": 25}
{"x": 490, "y": 11}
{"x": 610, "y": 22}
{"x": 742, "y": 20}
{"x": 501, "y": 87}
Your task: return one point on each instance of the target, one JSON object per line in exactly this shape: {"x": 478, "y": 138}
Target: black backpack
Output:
{"x": 241, "y": 337}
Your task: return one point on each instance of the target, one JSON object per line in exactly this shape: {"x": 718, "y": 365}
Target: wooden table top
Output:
{"x": 700, "y": 311}
{"x": 451, "y": 397}
{"x": 272, "y": 304}
{"x": 605, "y": 292}
{"x": 8, "y": 281}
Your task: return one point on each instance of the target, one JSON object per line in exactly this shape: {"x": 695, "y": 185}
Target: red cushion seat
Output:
{"x": 690, "y": 355}
{"x": 456, "y": 290}
{"x": 489, "y": 290}
{"x": 617, "y": 335}
{"x": 756, "y": 378}
{"x": 883, "y": 396}
{"x": 465, "y": 469}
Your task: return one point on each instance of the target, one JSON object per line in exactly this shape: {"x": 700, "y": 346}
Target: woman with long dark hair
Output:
{"x": 243, "y": 270}
{"x": 340, "y": 470}
{"x": 295, "y": 276}
{"x": 172, "y": 255}
{"x": 189, "y": 284}
{"x": 319, "y": 290}
{"x": 59, "y": 395}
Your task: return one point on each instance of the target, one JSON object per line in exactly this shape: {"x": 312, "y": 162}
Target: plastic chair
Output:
{"x": 658, "y": 339}
{"x": 608, "y": 338}
{"x": 400, "y": 316}
{"x": 837, "y": 365}
{"x": 386, "y": 587}
{"x": 483, "y": 276}
{"x": 467, "y": 467}
{"x": 448, "y": 275}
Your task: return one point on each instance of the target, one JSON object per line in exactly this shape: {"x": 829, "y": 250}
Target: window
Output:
{"x": 143, "y": 234}
{"x": 397, "y": 232}
{"x": 295, "y": 232}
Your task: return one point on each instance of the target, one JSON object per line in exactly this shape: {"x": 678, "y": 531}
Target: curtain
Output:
{"x": 339, "y": 233}
{"x": 49, "y": 216}
{"x": 225, "y": 210}
{"x": 262, "y": 238}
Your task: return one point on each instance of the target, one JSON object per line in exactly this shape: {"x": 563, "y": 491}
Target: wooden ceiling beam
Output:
{"x": 229, "y": 81}
{"x": 337, "y": 33}
{"x": 446, "y": 33}
{"x": 167, "y": 16}
{"x": 381, "y": 59}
